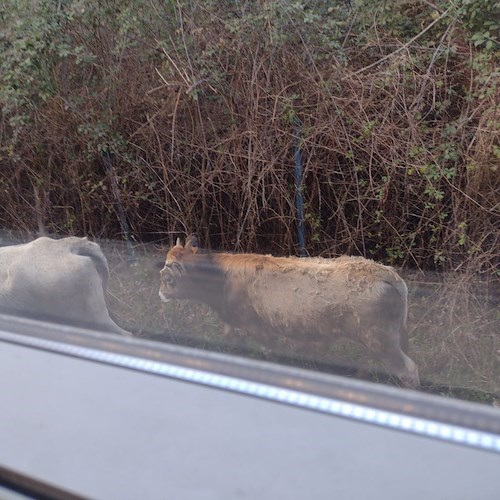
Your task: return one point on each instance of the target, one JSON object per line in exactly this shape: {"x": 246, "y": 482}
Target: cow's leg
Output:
{"x": 268, "y": 340}
{"x": 262, "y": 337}
{"x": 402, "y": 366}
{"x": 384, "y": 344}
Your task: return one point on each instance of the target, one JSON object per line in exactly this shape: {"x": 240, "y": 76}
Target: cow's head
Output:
{"x": 172, "y": 273}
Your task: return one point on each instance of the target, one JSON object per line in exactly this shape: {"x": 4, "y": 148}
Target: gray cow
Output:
{"x": 57, "y": 280}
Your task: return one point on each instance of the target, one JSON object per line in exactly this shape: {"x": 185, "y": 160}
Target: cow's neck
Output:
{"x": 208, "y": 281}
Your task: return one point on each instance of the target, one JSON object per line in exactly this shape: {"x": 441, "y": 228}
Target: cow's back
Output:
{"x": 314, "y": 295}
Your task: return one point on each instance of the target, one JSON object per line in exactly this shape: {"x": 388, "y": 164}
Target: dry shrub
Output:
{"x": 201, "y": 127}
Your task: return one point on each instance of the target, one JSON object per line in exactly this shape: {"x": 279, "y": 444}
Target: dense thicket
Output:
{"x": 189, "y": 111}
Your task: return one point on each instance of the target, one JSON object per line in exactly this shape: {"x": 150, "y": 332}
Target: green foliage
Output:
{"x": 314, "y": 223}
{"x": 32, "y": 41}
{"x": 482, "y": 20}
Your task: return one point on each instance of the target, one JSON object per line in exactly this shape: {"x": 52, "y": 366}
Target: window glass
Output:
{"x": 307, "y": 129}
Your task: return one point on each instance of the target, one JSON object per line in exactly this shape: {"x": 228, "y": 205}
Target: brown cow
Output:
{"x": 299, "y": 297}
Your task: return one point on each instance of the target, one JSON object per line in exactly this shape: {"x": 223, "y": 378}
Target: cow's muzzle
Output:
{"x": 163, "y": 298}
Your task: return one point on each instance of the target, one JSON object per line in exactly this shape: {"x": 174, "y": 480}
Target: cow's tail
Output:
{"x": 403, "y": 339}
{"x": 90, "y": 249}
{"x": 402, "y": 290}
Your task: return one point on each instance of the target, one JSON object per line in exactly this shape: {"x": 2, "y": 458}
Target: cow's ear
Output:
{"x": 192, "y": 243}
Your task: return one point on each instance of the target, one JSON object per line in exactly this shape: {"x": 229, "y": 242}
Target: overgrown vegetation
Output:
{"x": 192, "y": 109}
{"x": 196, "y": 103}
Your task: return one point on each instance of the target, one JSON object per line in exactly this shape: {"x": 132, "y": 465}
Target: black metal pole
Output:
{"x": 299, "y": 200}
